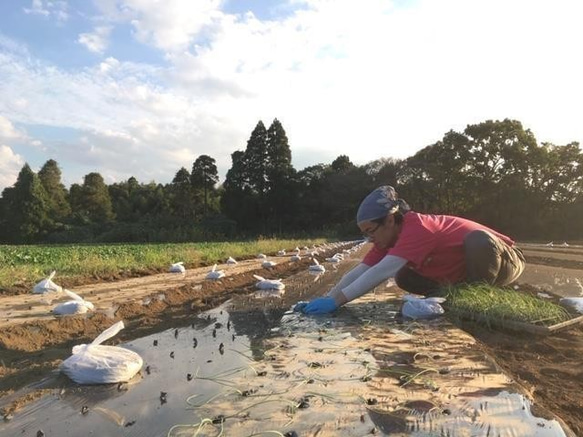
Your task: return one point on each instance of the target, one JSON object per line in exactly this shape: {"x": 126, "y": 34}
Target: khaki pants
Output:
{"x": 491, "y": 260}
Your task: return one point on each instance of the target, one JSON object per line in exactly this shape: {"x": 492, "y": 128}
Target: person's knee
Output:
{"x": 401, "y": 278}
{"x": 411, "y": 282}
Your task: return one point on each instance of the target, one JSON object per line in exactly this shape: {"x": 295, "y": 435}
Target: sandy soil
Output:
{"x": 33, "y": 343}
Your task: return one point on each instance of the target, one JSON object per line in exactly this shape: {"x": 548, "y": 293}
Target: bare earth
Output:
{"x": 33, "y": 342}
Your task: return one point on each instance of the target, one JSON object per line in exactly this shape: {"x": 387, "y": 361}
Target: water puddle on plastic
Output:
{"x": 260, "y": 373}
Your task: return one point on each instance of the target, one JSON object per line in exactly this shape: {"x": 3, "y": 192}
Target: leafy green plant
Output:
{"x": 493, "y": 306}
{"x": 30, "y": 263}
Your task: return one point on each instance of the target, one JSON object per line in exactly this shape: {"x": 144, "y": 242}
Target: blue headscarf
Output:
{"x": 379, "y": 203}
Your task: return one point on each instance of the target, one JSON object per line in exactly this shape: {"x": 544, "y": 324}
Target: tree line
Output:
{"x": 494, "y": 172}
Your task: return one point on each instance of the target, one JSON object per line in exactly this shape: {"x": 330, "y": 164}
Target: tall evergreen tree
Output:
{"x": 342, "y": 164}
{"x": 238, "y": 200}
{"x": 182, "y": 202}
{"x": 92, "y": 200}
{"x": 25, "y": 208}
{"x": 248, "y": 182}
{"x": 50, "y": 177}
{"x": 203, "y": 179}
{"x": 282, "y": 190}
{"x": 256, "y": 159}
{"x": 278, "y": 152}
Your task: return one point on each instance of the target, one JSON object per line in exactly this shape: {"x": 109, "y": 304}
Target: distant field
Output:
{"x": 25, "y": 264}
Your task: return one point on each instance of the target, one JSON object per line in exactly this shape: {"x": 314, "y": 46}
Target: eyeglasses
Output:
{"x": 371, "y": 232}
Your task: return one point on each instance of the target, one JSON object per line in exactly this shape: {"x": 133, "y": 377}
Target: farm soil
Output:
{"x": 549, "y": 368}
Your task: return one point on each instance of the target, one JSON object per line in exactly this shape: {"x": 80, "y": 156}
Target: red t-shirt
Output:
{"x": 433, "y": 245}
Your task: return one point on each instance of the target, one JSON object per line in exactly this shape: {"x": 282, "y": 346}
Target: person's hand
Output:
{"x": 321, "y": 305}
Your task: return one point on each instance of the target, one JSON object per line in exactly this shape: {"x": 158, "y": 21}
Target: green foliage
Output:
{"x": 25, "y": 208}
{"x": 342, "y": 164}
{"x": 31, "y": 263}
{"x": 203, "y": 179}
{"x": 91, "y": 201}
{"x": 493, "y": 172}
{"x": 494, "y": 306}
{"x": 58, "y": 205}
{"x": 182, "y": 197}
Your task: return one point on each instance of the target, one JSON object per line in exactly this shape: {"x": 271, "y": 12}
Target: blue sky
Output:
{"x": 142, "y": 87}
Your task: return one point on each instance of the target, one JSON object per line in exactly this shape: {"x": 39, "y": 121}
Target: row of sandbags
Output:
{"x": 49, "y": 290}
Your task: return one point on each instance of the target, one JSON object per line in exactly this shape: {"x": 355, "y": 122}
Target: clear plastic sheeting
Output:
{"x": 96, "y": 364}
{"x": 248, "y": 368}
{"x": 573, "y": 302}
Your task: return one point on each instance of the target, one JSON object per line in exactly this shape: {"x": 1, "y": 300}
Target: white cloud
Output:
{"x": 108, "y": 65}
{"x": 369, "y": 81}
{"x": 173, "y": 24}
{"x": 49, "y": 8}
{"x": 98, "y": 40}
{"x": 8, "y": 131}
{"x": 10, "y": 165}
{"x": 37, "y": 8}
{"x": 170, "y": 25}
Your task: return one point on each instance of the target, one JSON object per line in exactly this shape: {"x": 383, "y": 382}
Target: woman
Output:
{"x": 421, "y": 251}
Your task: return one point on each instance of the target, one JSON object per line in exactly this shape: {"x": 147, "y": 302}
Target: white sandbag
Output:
{"x": 96, "y": 364}
{"x": 269, "y": 284}
{"x": 316, "y": 267}
{"x": 281, "y": 253}
{"x": 215, "y": 274}
{"x": 422, "y": 308}
{"x": 76, "y": 306}
{"x": 575, "y": 303}
{"x": 47, "y": 286}
{"x": 297, "y": 257}
{"x": 261, "y": 256}
{"x": 231, "y": 261}
{"x": 177, "y": 267}
{"x": 268, "y": 264}
{"x": 333, "y": 260}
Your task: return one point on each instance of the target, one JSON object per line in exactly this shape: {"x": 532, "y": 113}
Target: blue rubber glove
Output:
{"x": 321, "y": 305}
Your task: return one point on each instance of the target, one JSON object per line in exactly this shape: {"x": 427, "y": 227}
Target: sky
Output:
{"x": 143, "y": 87}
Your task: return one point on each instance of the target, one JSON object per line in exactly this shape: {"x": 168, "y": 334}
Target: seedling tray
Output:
{"x": 529, "y": 327}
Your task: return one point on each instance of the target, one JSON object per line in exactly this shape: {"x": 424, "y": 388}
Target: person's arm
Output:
{"x": 348, "y": 279}
{"x": 383, "y": 270}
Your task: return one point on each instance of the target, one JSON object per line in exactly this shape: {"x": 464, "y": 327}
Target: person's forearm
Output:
{"x": 348, "y": 278}
{"x": 385, "y": 269}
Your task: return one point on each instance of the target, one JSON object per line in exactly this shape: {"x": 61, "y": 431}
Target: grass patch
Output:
{"x": 28, "y": 263}
{"x": 493, "y": 306}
